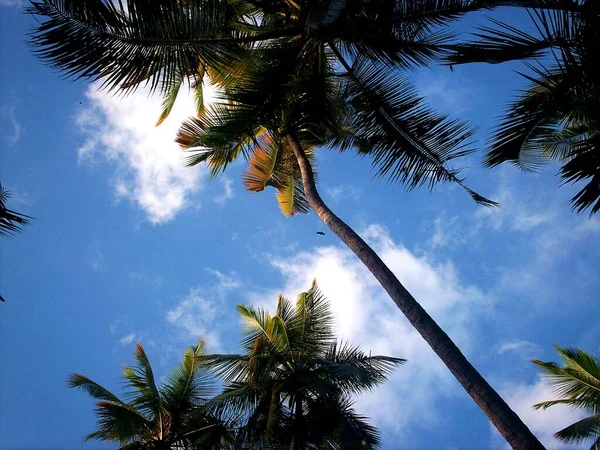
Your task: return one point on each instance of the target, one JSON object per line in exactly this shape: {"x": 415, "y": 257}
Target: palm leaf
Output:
{"x": 406, "y": 141}
{"x": 120, "y": 422}
{"x": 126, "y": 45}
{"x": 92, "y": 388}
{"x": 10, "y": 221}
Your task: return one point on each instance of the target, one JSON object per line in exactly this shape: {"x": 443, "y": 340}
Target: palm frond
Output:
{"x": 145, "y": 395}
{"x": 190, "y": 384}
{"x": 124, "y": 45}
{"x": 120, "y": 422}
{"x": 580, "y": 431}
{"x": 406, "y": 141}
{"x": 95, "y": 390}
{"x": 10, "y": 221}
{"x": 577, "y": 383}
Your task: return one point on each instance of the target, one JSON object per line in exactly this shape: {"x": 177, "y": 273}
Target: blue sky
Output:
{"x": 130, "y": 246}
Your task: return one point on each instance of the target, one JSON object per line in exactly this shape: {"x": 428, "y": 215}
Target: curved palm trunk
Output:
{"x": 502, "y": 417}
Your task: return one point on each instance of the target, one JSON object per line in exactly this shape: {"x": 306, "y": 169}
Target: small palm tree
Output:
{"x": 294, "y": 382}
{"x": 577, "y": 383}
{"x": 556, "y": 118}
{"x": 158, "y": 418}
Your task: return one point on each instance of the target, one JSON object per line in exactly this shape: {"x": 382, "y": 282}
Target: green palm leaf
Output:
{"x": 577, "y": 382}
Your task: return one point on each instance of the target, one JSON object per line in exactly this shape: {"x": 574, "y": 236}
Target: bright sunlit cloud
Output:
{"x": 149, "y": 166}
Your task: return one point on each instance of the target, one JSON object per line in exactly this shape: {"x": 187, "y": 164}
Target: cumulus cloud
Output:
{"x": 366, "y": 316}
{"x": 149, "y": 169}
{"x": 543, "y": 423}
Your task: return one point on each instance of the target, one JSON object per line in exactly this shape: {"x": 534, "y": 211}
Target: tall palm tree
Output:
{"x": 577, "y": 383}
{"x": 557, "y": 117}
{"x": 158, "y": 418}
{"x": 293, "y": 382}
{"x": 295, "y": 76}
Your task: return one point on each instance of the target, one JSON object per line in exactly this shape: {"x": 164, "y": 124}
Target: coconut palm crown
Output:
{"x": 294, "y": 382}
{"x": 577, "y": 384}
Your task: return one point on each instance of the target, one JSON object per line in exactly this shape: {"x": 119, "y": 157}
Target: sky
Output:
{"x": 128, "y": 246}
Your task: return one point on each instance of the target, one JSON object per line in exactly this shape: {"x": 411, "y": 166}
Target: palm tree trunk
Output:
{"x": 502, "y": 417}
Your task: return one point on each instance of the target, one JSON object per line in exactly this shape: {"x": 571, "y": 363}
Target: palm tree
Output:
{"x": 577, "y": 383}
{"x": 293, "y": 382}
{"x": 158, "y": 418}
{"x": 295, "y": 76}
{"x": 556, "y": 118}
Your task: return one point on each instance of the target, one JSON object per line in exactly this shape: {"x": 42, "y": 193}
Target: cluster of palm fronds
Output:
{"x": 291, "y": 388}
{"x": 557, "y": 117}
{"x": 325, "y": 72}
{"x": 577, "y": 383}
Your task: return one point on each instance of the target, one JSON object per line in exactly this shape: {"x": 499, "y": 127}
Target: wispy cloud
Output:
{"x": 199, "y": 313}
{"x": 149, "y": 169}
{"x": 96, "y": 256}
{"x": 227, "y": 192}
{"x": 343, "y": 192}
{"x": 13, "y": 126}
{"x": 127, "y": 339}
{"x": 523, "y": 348}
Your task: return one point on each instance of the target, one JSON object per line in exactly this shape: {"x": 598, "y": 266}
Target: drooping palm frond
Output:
{"x": 555, "y": 118}
{"x": 390, "y": 124}
{"x": 577, "y": 382}
{"x": 125, "y": 45}
{"x": 122, "y": 423}
{"x": 10, "y": 221}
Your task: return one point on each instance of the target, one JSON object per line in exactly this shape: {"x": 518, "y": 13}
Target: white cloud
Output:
{"x": 198, "y": 314}
{"x": 366, "y": 316}
{"x": 523, "y": 348}
{"x": 9, "y": 115}
{"x": 127, "y": 339}
{"x": 343, "y": 192}
{"x": 516, "y": 212}
{"x": 227, "y": 192}
{"x": 543, "y": 423}
{"x": 96, "y": 256}
{"x": 149, "y": 165}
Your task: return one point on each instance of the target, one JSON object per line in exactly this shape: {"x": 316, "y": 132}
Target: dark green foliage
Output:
{"x": 293, "y": 382}
{"x": 10, "y": 221}
{"x": 323, "y": 71}
{"x": 557, "y": 117}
